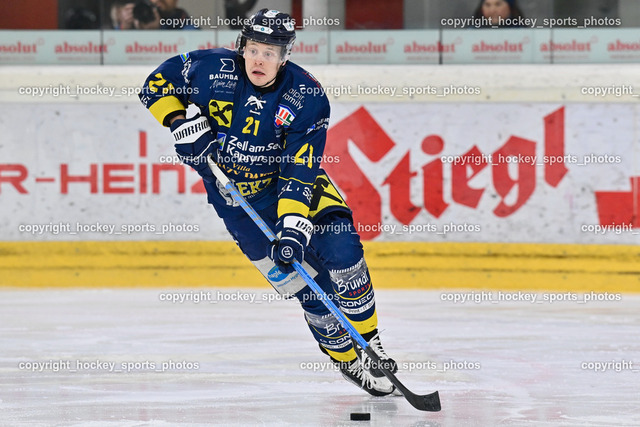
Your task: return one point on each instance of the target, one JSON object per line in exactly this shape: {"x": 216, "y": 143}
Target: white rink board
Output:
{"x": 44, "y": 135}
{"x": 606, "y": 133}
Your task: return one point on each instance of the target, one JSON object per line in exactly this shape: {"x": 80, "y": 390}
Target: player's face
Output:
{"x": 262, "y": 62}
{"x": 495, "y": 9}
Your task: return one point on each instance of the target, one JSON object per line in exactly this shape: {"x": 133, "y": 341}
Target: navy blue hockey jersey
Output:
{"x": 272, "y": 140}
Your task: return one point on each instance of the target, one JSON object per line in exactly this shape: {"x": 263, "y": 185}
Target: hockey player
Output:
{"x": 265, "y": 121}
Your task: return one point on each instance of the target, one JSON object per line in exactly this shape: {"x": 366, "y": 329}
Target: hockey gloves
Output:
{"x": 294, "y": 232}
{"x": 194, "y": 142}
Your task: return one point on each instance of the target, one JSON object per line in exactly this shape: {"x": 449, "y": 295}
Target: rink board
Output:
{"x": 394, "y": 265}
{"x": 546, "y": 160}
{"x": 95, "y": 172}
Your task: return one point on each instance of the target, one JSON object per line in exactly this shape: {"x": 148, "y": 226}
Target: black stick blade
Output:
{"x": 427, "y": 402}
{"x": 423, "y": 402}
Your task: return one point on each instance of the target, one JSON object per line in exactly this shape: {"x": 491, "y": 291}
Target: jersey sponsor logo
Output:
{"x": 294, "y": 98}
{"x": 226, "y": 86}
{"x": 358, "y": 310}
{"x": 184, "y": 56}
{"x": 325, "y": 195}
{"x": 320, "y": 124}
{"x": 221, "y": 111}
{"x": 238, "y": 152}
{"x": 228, "y": 65}
{"x": 251, "y": 188}
{"x": 225, "y": 76}
{"x": 284, "y": 116}
{"x": 366, "y": 300}
{"x": 234, "y": 144}
{"x": 221, "y": 137}
{"x": 353, "y": 287}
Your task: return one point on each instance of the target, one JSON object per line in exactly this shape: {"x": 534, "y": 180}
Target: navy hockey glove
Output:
{"x": 194, "y": 142}
{"x": 294, "y": 232}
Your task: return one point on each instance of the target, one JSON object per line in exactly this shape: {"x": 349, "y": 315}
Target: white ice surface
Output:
{"x": 526, "y": 361}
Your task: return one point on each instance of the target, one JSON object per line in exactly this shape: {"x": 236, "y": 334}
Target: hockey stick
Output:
{"x": 428, "y": 402}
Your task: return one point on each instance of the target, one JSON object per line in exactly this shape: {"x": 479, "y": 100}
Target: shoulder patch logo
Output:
{"x": 284, "y": 116}
{"x": 228, "y": 65}
{"x": 185, "y": 68}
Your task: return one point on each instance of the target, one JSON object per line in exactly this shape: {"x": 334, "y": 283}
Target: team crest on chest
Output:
{"x": 284, "y": 116}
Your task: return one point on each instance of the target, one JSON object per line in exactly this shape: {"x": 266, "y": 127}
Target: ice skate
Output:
{"x": 354, "y": 372}
{"x": 373, "y": 338}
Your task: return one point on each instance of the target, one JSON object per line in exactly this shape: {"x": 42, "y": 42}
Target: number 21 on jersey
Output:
{"x": 251, "y": 122}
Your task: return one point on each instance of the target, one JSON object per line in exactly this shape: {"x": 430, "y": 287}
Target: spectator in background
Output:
{"x": 146, "y": 16}
{"x": 169, "y": 10}
{"x": 498, "y": 11}
{"x": 121, "y": 14}
{"x": 80, "y": 18}
{"x": 236, "y": 12}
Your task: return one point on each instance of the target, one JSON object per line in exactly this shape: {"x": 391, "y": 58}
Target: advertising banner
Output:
{"x": 52, "y": 47}
{"x": 452, "y": 45}
{"x": 480, "y": 172}
{"x": 487, "y": 46}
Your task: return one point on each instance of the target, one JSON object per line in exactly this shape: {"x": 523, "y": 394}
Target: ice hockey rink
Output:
{"x": 493, "y": 176}
{"x": 132, "y": 357}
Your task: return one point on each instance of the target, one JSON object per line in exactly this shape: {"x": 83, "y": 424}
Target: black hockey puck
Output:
{"x": 360, "y": 416}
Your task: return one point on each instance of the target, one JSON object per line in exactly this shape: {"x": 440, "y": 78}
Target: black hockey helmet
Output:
{"x": 270, "y": 27}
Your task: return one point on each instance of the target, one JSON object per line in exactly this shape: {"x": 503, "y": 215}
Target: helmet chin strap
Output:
{"x": 269, "y": 83}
